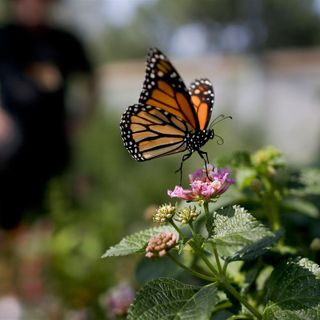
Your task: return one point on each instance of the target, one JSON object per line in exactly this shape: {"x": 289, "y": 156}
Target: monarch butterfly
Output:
{"x": 168, "y": 118}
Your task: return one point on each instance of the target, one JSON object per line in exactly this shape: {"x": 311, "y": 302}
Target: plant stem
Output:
{"x": 198, "y": 250}
{"x": 202, "y": 255}
{"x": 206, "y": 209}
{"x": 271, "y": 204}
{"x": 237, "y": 295}
{"x": 193, "y": 272}
{"x": 217, "y": 276}
{"x": 221, "y": 276}
{"x": 208, "y": 263}
{"x": 225, "y": 266}
{"x": 216, "y": 255}
{"x": 178, "y": 230}
{"x": 222, "y": 306}
{"x": 194, "y": 235}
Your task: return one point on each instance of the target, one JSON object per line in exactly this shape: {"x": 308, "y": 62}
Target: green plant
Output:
{"x": 220, "y": 261}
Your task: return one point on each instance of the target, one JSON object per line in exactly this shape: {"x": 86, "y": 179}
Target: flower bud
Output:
{"x": 164, "y": 213}
{"x": 187, "y": 215}
{"x": 159, "y": 245}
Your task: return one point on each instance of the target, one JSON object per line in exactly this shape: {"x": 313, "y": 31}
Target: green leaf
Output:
{"x": 234, "y": 229}
{"x": 256, "y": 249}
{"x": 245, "y": 176}
{"x": 309, "y": 181}
{"x": 136, "y": 242}
{"x": 293, "y": 291}
{"x": 197, "y": 241}
{"x": 302, "y": 206}
{"x": 240, "y": 158}
{"x": 150, "y": 269}
{"x": 169, "y": 299}
{"x": 201, "y": 305}
{"x": 268, "y": 156}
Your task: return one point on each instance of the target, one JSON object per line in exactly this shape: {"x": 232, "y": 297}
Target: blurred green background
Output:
{"x": 263, "y": 57}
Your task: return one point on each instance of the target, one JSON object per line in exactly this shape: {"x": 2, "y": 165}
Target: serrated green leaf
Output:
{"x": 201, "y": 305}
{"x": 256, "y": 249}
{"x": 234, "y": 229}
{"x": 169, "y": 299}
{"x": 293, "y": 291}
{"x": 135, "y": 243}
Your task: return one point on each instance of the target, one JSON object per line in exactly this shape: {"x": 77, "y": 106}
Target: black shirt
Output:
{"x": 40, "y": 113}
{"x": 37, "y": 107}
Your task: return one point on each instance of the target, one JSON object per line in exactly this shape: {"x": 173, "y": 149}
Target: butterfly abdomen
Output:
{"x": 197, "y": 139}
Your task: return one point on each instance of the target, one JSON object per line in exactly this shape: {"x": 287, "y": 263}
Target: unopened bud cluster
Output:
{"x": 164, "y": 213}
{"x": 187, "y": 215}
{"x": 160, "y": 244}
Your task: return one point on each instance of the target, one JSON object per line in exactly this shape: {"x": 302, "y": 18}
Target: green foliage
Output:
{"x": 79, "y": 236}
{"x": 256, "y": 249}
{"x": 293, "y": 291}
{"x": 267, "y": 23}
{"x": 236, "y": 233}
{"x": 89, "y": 209}
{"x": 307, "y": 182}
{"x": 228, "y": 248}
{"x": 298, "y": 27}
{"x": 165, "y": 268}
{"x": 170, "y": 299}
{"x": 281, "y": 196}
{"x": 134, "y": 243}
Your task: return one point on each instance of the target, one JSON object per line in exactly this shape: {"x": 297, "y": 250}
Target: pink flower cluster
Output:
{"x": 205, "y": 185}
{"x": 159, "y": 245}
{"x": 118, "y": 300}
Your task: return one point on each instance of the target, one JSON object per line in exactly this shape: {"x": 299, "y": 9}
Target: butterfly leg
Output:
{"x": 204, "y": 156}
{"x": 184, "y": 158}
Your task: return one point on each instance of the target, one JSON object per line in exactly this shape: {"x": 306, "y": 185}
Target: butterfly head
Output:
{"x": 196, "y": 140}
{"x": 210, "y": 133}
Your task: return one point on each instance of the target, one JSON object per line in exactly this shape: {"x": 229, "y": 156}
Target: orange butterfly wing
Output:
{"x": 167, "y": 114}
{"x": 202, "y": 97}
{"x": 148, "y": 132}
{"x": 163, "y": 88}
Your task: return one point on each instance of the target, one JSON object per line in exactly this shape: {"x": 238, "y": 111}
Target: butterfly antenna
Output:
{"x": 220, "y": 140}
{"x": 218, "y": 119}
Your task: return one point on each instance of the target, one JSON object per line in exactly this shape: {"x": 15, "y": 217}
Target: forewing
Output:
{"x": 149, "y": 132}
{"x": 202, "y": 97}
{"x": 163, "y": 88}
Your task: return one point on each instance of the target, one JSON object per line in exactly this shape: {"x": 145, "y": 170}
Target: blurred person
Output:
{"x": 36, "y": 62}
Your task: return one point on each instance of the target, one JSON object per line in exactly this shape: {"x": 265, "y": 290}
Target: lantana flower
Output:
{"x": 206, "y": 185}
{"x": 187, "y": 215}
{"x": 164, "y": 213}
{"x": 117, "y": 300}
{"x": 159, "y": 244}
